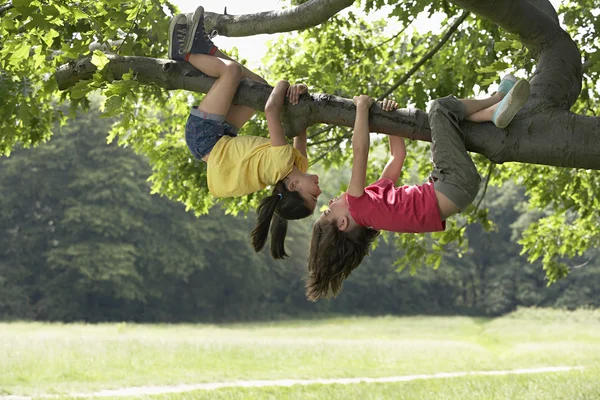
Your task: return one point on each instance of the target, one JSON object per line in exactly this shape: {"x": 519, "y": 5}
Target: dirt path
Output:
{"x": 150, "y": 390}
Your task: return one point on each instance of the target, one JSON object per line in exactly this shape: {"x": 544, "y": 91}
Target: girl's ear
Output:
{"x": 343, "y": 223}
{"x": 292, "y": 185}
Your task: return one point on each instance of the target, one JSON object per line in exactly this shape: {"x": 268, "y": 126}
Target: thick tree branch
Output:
{"x": 574, "y": 142}
{"x": 307, "y": 15}
{"x": 547, "y": 7}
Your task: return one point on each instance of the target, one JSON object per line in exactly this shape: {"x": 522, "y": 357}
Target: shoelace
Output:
{"x": 207, "y": 36}
{"x": 180, "y": 36}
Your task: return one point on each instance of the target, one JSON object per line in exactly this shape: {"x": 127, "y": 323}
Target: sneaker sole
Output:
{"x": 189, "y": 41}
{"x": 511, "y": 104}
{"x": 172, "y": 26}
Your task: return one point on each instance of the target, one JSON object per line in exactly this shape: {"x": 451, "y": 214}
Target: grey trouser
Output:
{"x": 454, "y": 173}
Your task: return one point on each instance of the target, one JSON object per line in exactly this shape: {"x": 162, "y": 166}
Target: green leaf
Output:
{"x": 495, "y": 67}
{"x": 100, "y": 60}
{"x": 79, "y": 14}
{"x": 501, "y": 46}
{"x": 61, "y": 9}
{"x": 49, "y": 36}
{"x": 19, "y": 55}
{"x": 112, "y": 106}
{"x": 81, "y": 89}
{"x": 488, "y": 81}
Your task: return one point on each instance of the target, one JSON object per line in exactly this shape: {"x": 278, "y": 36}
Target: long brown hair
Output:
{"x": 334, "y": 254}
{"x": 274, "y": 211}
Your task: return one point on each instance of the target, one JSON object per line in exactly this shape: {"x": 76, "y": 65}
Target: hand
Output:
{"x": 363, "y": 101}
{"x": 294, "y": 92}
{"x": 388, "y": 105}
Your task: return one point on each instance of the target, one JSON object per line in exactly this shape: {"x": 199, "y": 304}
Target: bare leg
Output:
{"x": 228, "y": 74}
{"x": 473, "y": 106}
{"x": 246, "y": 72}
{"x": 484, "y": 115}
{"x": 238, "y": 115}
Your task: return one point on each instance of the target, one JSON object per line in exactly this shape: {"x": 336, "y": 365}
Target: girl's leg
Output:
{"x": 509, "y": 83}
{"x": 228, "y": 74}
{"x": 238, "y": 115}
{"x": 246, "y": 72}
{"x": 474, "y": 106}
{"x": 484, "y": 115}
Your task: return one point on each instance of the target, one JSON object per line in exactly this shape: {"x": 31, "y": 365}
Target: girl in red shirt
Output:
{"x": 343, "y": 234}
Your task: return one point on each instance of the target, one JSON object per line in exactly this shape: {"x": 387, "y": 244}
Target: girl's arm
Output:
{"x": 293, "y": 94}
{"x": 360, "y": 146}
{"x": 393, "y": 167}
{"x": 273, "y": 113}
{"x": 397, "y": 149}
{"x": 300, "y": 143}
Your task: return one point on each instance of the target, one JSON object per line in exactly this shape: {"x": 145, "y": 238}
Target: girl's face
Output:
{"x": 337, "y": 211}
{"x": 308, "y": 187}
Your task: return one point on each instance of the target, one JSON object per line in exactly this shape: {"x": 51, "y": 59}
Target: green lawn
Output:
{"x": 38, "y": 358}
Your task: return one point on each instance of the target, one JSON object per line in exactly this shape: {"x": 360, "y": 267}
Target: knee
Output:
{"x": 440, "y": 106}
{"x": 233, "y": 69}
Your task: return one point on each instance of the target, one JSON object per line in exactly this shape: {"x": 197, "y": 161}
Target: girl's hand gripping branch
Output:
{"x": 294, "y": 92}
{"x": 273, "y": 110}
{"x": 360, "y": 145}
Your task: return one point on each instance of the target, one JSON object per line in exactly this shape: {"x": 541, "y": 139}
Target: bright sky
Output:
{"x": 253, "y": 48}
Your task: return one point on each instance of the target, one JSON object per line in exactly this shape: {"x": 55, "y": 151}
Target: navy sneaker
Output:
{"x": 178, "y": 28}
{"x": 198, "y": 41}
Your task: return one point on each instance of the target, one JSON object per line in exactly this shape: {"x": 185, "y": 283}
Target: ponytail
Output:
{"x": 274, "y": 211}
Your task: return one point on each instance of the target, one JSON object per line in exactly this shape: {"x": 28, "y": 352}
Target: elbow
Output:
{"x": 272, "y": 105}
{"x": 272, "y": 110}
{"x": 360, "y": 148}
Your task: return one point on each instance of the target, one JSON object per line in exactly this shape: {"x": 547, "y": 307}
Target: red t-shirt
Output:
{"x": 407, "y": 209}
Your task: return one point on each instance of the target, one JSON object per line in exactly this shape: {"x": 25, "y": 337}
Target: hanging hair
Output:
{"x": 274, "y": 211}
{"x": 333, "y": 255}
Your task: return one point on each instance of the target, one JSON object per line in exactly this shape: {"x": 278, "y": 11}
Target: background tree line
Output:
{"x": 82, "y": 238}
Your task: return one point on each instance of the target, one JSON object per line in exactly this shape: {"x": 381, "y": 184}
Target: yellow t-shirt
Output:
{"x": 241, "y": 165}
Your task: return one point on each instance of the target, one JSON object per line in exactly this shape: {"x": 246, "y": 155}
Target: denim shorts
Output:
{"x": 203, "y": 131}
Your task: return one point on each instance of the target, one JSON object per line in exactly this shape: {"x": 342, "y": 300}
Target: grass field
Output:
{"x": 38, "y": 358}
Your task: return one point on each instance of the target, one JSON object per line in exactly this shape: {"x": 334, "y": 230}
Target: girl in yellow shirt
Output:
{"x": 240, "y": 165}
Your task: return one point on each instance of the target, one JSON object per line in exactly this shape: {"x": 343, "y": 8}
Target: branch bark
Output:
{"x": 574, "y": 142}
{"x": 309, "y": 14}
{"x": 5, "y": 7}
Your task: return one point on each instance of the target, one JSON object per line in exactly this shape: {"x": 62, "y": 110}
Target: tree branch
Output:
{"x": 324, "y": 154}
{"x": 307, "y": 15}
{"x": 5, "y": 7}
{"x": 427, "y": 56}
{"x": 573, "y": 143}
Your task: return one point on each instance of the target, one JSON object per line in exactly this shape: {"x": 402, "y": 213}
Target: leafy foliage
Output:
{"x": 344, "y": 56}
{"x": 81, "y": 238}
